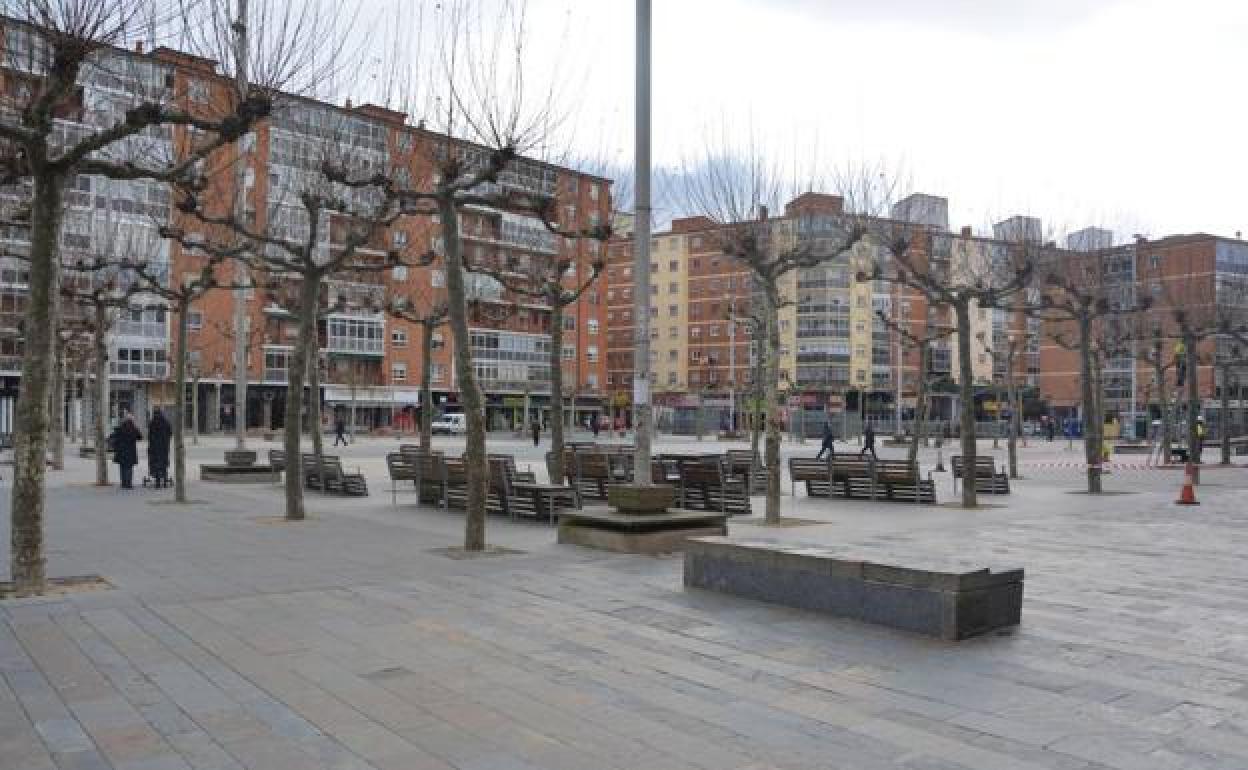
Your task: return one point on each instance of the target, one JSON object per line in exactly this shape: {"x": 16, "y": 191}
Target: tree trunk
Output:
{"x": 1159, "y": 374}
{"x": 1011, "y": 391}
{"x": 100, "y": 409}
{"x": 426, "y": 385}
{"x": 1224, "y": 418}
{"x": 309, "y": 299}
{"x": 179, "y": 423}
{"x": 1091, "y": 446}
{"x": 314, "y": 399}
{"x": 469, "y": 391}
{"x": 1193, "y": 396}
{"x": 920, "y": 403}
{"x": 27, "y": 562}
{"x": 56, "y": 406}
{"x": 757, "y": 395}
{"x": 195, "y": 410}
{"x": 555, "y": 467}
{"x": 967, "y": 396}
{"x": 772, "y": 404}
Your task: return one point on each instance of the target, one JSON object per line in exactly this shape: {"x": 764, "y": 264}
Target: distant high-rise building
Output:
{"x": 1090, "y": 239}
{"x": 1019, "y": 229}
{"x": 922, "y": 209}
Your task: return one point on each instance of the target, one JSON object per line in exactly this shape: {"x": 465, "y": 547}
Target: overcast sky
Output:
{"x": 1123, "y": 113}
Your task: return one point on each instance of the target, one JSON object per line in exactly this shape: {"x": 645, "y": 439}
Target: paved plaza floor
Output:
{"x": 231, "y": 639}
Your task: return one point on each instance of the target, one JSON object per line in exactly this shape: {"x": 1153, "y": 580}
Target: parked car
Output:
{"x": 451, "y": 424}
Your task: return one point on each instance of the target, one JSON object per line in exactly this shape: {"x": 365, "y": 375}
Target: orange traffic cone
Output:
{"x": 1188, "y": 495}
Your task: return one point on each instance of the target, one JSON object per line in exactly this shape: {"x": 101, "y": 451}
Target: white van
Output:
{"x": 451, "y": 424}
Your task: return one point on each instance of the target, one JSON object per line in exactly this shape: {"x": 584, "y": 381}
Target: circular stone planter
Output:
{"x": 638, "y": 499}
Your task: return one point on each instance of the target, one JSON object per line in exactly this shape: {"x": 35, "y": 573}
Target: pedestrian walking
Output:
{"x": 536, "y": 427}
{"x": 868, "y": 442}
{"x": 1200, "y": 439}
{"x": 159, "y": 434}
{"x": 340, "y": 432}
{"x": 125, "y": 443}
{"x": 594, "y": 425}
{"x": 1050, "y": 429}
{"x": 829, "y": 442}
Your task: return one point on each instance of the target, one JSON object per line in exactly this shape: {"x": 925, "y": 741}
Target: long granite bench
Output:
{"x": 950, "y": 600}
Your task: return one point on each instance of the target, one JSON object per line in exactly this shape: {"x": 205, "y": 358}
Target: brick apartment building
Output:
{"x": 838, "y": 357}
{"x": 1204, "y": 274}
{"x": 370, "y": 363}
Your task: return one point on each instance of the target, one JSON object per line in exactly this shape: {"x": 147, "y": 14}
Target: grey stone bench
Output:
{"x": 948, "y": 600}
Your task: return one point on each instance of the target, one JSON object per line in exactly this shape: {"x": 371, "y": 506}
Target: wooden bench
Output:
{"x": 749, "y": 467}
{"x": 705, "y": 485}
{"x": 402, "y": 467}
{"x": 950, "y": 600}
{"x": 815, "y": 474}
{"x": 987, "y": 479}
{"x": 513, "y": 475}
{"x": 862, "y": 478}
{"x": 430, "y": 473}
{"x": 330, "y": 476}
{"x": 590, "y": 473}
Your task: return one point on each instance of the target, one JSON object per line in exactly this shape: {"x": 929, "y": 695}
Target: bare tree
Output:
{"x": 976, "y": 279}
{"x": 932, "y": 330}
{"x": 481, "y": 116}
{"x": 181, "y": 294}
{"x": 736, "y": 195}
{"x": 347, "y": 197}
{"x": 50, "y": 136}
{"x": 1078, "y": 290}
{"x": 554, "y": 279}
{"x": 429, "y": 314}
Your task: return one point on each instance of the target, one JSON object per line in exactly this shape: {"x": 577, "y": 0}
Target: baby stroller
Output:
{"x": 158, "y": 470}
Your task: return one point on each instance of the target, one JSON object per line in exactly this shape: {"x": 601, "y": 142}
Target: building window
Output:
{"x": 398, "y": 338}
{"x": 695, "y": 332}
{"x": 398, "y": 373}
{"x": 714, "y": 330}
{"x": 591, "y": 380}
{"x": 672, "y": 355}
{"x": 591, "y": 354}
{"x": 673, "y": 311}
{"x": 399, "y": 273}
{"x": 593, "y": 326}
{"x": 437, "y": 278}
{"x": 437, "y": 372}
{"x": 671, "y": 378}
{"x": 569, "y": 352}
{"x": 194, "y": 320}
{"x": 593, "y": 192}
{"x": 673, "y": 265}
{"x": 673, "y": 288}
{"x": 400, "y": 239}
{"x": 569, "y": 323}
{"x": 673, "y": 332}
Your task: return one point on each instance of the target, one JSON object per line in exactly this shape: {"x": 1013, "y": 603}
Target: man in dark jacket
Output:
{"x": 868, "y": 442}
{"x": 159, "y": 433}
{"x": 125, "y": 443}
{"x": 829, "y": 442}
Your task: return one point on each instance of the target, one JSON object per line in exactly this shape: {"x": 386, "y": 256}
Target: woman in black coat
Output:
{"x": 159, "y": 433}
{"x": 125, "y": 443}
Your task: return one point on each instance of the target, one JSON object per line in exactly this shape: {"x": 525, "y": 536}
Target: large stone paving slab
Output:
{"x": 232, "y": 641}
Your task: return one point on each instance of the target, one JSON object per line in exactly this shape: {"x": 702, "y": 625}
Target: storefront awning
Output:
{"x": 372, "y": 396}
